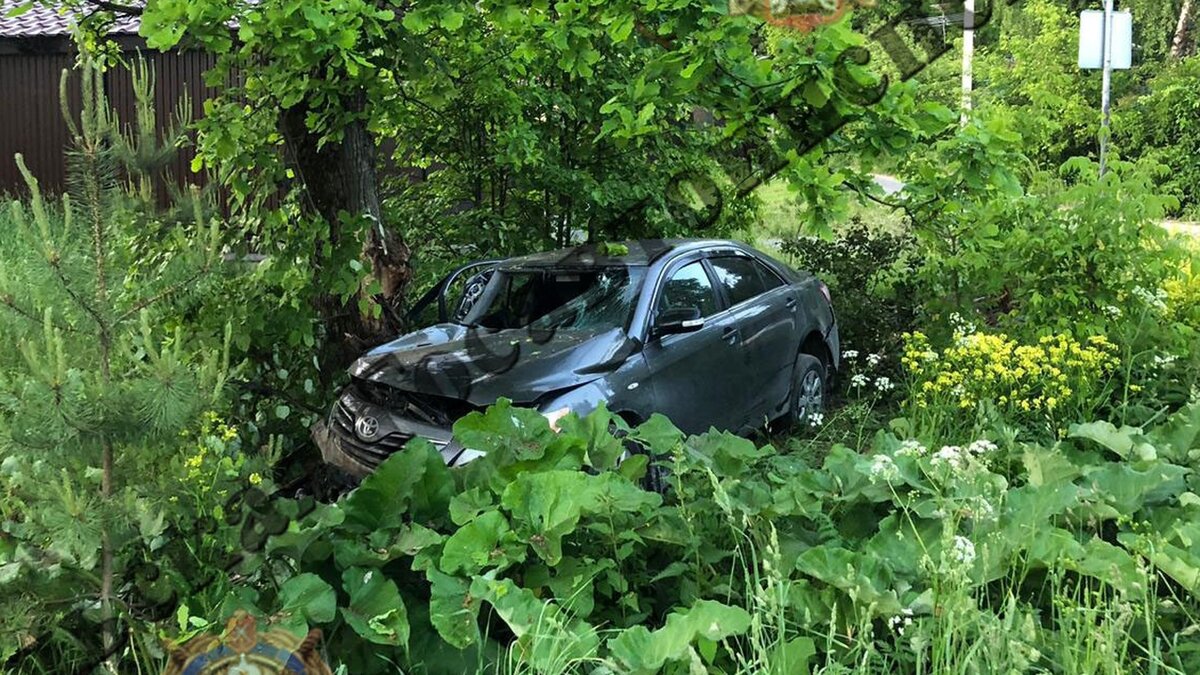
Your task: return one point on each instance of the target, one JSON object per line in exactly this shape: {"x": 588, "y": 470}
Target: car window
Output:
{"x": 689, "y": 286}
{"x": 744, "y": 278}
{"x": 558, "y": 298}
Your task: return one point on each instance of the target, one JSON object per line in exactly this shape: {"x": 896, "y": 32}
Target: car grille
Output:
{"x": 438, "y": 411}
{"x": 370, "y": 454}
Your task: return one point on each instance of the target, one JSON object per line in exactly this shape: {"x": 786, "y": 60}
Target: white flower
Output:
{"x": 949, "y": 455}
{"x": 962, "y": 551}
{"x": 902, "y": 621}
{"x": 1112, "y": 311}
{"x": 1164, "y": 361}
{"x": 981, "y": 447}
{"x": 929, "y": 356}
{"x": 858, "y": 381}
{"x": 911, "y": 448}
{"x": 884, "y": 469}
{"x": 816, "y": 419}
{"x": 850, "y": 354}
{"x": 884, "y": 384}
{"x": 1156, "y": 299}
{"x": 982, "y": 509}
{"x": 961, "y": 325}
{"x": 874, "y": 359}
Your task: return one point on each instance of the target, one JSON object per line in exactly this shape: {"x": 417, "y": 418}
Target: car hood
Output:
{"x": 481, "y": 366}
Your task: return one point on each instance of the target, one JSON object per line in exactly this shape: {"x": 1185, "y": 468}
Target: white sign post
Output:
{"x": 1105, "y": 42}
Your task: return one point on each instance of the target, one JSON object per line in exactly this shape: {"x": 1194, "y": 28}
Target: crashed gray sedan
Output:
{"x": 709, "y": 333}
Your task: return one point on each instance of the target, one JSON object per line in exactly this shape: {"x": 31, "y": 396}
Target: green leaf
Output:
{"x": 603, "y": 449}
{"x": 506, "y": 431}
{"x": 452, "y": 20}
{"x": 548, "y": 636}
{"x": 413, "y": 483}
{"x": 376, "y": 611}
{"x": 546, "y": 507}
{"x": 309, "y": 597}
{"x": 657, "y": 435}
{"x": 465, "y": 506}
{"x": 641, "y": 650}
{"x": 1119, "y": 441}
{"x": 417, "y": 21}
{"x": 621, "y": 27}
{"x": 18, "y": 10}
{"x": 484, "y": 542}
{"x": 453, "y": 610}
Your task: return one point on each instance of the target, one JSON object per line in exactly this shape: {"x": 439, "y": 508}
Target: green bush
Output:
{"x": 547, "y": 555}
{"x": 870, "y": 276}
{"x": 1163, "y": 126}
{"x": 110, "y": 449}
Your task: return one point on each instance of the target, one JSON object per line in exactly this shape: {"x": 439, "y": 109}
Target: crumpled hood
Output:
{"x": 480, "y": 366}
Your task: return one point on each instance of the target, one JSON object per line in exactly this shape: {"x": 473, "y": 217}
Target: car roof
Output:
{"x": 639, "y": 252}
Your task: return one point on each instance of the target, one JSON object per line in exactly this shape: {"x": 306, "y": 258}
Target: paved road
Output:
{"x": 890, "y": 184}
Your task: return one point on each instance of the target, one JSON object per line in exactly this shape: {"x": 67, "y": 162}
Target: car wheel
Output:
{"x": 656, "y": 476}
{"x": 808, "y": 390}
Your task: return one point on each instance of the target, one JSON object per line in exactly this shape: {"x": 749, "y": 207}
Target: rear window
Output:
{"x": 744, "y": 278}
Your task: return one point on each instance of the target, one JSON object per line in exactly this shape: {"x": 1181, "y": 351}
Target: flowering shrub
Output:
{"x": 1053, "y": 379}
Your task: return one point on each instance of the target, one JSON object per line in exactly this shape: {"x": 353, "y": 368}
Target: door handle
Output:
{"x": 730, "y": 334}
{"x": 791, "y": 304}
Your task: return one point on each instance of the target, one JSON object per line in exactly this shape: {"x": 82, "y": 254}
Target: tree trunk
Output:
{"x": 341, "y": 186}
{"x": 1181, "y": 30}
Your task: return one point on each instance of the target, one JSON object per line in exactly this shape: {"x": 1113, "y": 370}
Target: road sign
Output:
{"x": 1092, "y": 36}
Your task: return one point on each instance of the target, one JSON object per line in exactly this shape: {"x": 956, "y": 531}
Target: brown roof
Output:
{"x": 43, "y": 21}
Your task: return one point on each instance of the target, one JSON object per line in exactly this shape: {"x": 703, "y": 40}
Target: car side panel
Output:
{"x": 698, "y": 378}
{"x": 772, "y": 335}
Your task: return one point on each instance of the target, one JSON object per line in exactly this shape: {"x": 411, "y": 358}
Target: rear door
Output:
{"x": 765, "y": 311}
{"x": 691, "y": 374}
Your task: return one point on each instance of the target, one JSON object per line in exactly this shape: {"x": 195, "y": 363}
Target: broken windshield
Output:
{"x": 596, "y": 298}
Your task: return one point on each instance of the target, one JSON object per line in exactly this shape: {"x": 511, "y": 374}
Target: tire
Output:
{"x": 809, "y": 390}
{"x": 656, "y": 476}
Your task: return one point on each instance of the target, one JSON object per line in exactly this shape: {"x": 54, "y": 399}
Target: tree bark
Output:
{"x": 1181, "y": 30}
{"x": 341, "y": 186}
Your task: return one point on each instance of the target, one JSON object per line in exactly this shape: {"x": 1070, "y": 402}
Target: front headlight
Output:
{"x": 555, "y": 417}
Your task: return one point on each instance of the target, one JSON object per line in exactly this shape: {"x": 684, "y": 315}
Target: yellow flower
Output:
{"x": 255, "y": 479}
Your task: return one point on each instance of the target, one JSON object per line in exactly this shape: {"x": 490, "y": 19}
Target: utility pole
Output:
{"x": 1106, "y": 97}
{"x": 968, "y": 58}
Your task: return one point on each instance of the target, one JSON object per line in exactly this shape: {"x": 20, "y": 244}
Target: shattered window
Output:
{"x": 596, "y": 298}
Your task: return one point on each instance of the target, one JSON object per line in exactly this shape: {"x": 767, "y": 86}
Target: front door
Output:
{"x": 695, "y": 379}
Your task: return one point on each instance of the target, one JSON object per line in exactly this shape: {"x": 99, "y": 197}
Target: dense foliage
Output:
{"x": 901, "y": 558}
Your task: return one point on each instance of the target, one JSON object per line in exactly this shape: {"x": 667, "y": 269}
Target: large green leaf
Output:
{"x": 1127, "y": 488}
{"x": 483, "y": 543}
{"x": 1119, "y": 441}
{"x": 643, "y": 651}
{"x": 547, "y": 636}
{"x": 306, "y": 597}
{"x": 376, "y": 611}
{"x": 1111, "y": 564}
{"x": 546, "y": 507}
{"x": 504, "y": 431}
{"x": 411, "y": 484}
{"x": 453, "y": 610}
{"x": 595, "y": 432}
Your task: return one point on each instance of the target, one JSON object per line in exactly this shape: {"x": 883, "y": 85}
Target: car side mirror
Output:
{"x": 678, "y": 320}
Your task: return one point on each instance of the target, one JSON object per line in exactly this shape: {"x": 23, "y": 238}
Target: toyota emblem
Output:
{"x": 367, "y": 428}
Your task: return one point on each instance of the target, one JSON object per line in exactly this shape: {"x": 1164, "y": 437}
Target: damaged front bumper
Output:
{"x": 358, "y": 436}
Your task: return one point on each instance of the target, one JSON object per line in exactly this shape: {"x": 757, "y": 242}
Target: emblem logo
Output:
{"x": 243, "y": 650}
{"x": 366, "y": 427}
